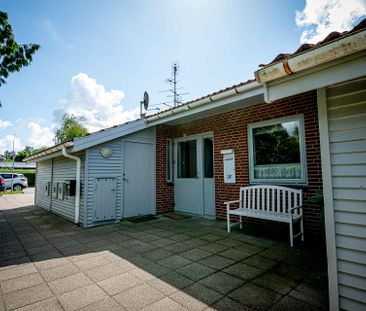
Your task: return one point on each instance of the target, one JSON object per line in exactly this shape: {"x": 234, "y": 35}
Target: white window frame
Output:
{"x": 169, "y": 142}
{"x": 304, "y": 180}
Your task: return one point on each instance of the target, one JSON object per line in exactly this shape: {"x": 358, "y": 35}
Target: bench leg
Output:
{"x": 228, "y": 222}
{"x": 241, "y": 223}
{"x": 291, "y": 234}
{"x": 302, "y": 228}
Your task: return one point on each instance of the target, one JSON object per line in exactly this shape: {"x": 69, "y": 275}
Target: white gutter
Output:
{"x": 48, "y": 151}
{"x": 203, "y": 101}
{"x": 77, "y": 192}
{"x": 341, "y": 47}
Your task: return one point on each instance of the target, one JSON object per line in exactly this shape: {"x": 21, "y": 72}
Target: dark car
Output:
{"x": 2, "y": 184}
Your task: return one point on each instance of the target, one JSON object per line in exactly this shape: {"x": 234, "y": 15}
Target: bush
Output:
{"x": 30, "y": 174}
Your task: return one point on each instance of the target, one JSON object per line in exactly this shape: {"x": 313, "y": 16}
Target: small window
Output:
{"x": 169, "y": 160}
{"x": 208, "y": 164}
{"x": 277, "y": 151}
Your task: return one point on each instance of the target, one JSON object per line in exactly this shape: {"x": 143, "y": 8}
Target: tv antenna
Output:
{"x": 173, "y": 90}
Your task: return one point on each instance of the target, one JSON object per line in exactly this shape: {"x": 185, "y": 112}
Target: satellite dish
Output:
{"x": 146, "y": 100}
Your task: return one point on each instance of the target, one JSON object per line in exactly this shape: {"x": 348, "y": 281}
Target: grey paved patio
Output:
{"x": 164, "y": 264}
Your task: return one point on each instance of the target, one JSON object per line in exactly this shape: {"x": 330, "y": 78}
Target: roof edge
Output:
{"x": 48, "y": 151}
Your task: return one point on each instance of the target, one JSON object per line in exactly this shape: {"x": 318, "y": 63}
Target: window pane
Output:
{"x": 208, "y": 157}
{"x": 187, "y": 159}
{"x": 277, "y": 151}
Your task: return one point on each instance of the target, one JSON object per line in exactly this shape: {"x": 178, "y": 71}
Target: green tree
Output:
{"x": 8, "y": 155}
{"x": 71, "y": 127}
{"x": 13, "y": 56}
{"x": 26, "y": 152}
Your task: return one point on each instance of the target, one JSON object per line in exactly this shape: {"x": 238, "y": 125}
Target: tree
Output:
{"x": 13, "y": 56}
{"x": 71, "y": 127}
{"x": 26, "y": 152}
{"x": 8, "y": 155}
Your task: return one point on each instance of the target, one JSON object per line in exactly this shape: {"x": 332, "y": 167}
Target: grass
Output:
{"x": 10, "y": 192}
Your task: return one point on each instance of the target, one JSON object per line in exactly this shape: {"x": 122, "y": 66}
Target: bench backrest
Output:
{"x": 271, "y": 198}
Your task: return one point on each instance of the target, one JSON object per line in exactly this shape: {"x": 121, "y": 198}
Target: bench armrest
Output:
{"x": 228, "y": 203}
{"x": 295, "y": 207}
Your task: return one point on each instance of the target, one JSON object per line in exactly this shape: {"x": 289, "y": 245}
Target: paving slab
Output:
{"x": 203, "y": 294}
{"x": 81, "y": 297}
{"x": 195, "y": 271}
{"x": 21, "y": 282}
{"x": 165, "y": 304}
{"x": 244, "y": 271}
{"x": 222, "y": 282}
{"x": 138, "y": 297}
{"x": 27, "y": 296}
{"x": 255, "y": 297}
{"x": 69, "y": 283}
{"x": 217, "y": 262}
{"x": 119, "y": 283}
{"x": 44, "y": 305}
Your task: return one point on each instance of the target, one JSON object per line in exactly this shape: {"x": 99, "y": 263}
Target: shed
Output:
{"x": 117, "y": 176}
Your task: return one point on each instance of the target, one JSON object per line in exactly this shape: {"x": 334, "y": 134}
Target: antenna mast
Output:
{"x": 173, "y": 90}
{"x": 175, "y": 72}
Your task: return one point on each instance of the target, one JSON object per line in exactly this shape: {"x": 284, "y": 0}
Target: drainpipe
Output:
{"x": 77, "y": 194}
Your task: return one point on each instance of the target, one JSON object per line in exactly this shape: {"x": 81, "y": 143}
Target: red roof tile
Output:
{"x": 307, "y": 46}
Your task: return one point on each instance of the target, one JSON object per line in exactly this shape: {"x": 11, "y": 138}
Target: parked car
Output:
{"x": 2, "y": 184}
{"x": 20, "y": 182}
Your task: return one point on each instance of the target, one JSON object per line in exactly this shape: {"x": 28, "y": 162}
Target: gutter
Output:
{"x": 48, "y": 151}
{"x": 341, "y": 47}
{"x": 203, "y": 101}
{"x": 77, "y": 194}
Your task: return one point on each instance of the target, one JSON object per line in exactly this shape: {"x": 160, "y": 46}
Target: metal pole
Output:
{"x": 175, "y": 84}
{"x": 12, "y": 171}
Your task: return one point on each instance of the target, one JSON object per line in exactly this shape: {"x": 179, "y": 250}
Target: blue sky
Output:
{"x": 98, "y": 57}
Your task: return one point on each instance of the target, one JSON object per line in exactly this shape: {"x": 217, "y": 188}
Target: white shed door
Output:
{"x": 104, "y": 202}
{"x": 346, "y": 105}
{"x": 138, "y": 174}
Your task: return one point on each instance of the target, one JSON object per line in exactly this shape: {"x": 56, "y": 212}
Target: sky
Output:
{"x": 98, "y": 57}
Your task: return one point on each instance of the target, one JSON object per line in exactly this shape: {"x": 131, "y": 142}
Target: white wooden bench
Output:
{"x": 270, "y": 203}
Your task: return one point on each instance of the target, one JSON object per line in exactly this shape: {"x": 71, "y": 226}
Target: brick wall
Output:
{"x": 230, "y": 131}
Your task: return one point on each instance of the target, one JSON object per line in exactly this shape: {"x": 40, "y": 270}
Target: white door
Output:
{"x": 137, "y": 179}
{"x": 104, "y": 199}
{"x": 194, "y": 182}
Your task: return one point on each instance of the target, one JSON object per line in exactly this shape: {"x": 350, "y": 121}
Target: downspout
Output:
{"x": 77, "y": 192}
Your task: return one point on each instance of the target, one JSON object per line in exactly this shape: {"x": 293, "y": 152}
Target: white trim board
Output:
{"x": 331, "y": 73}
{"x": 328, "y": 200}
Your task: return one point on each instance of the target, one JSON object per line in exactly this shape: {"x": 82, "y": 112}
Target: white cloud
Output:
{"x": 39, "y": 136}
{"x": 6, "y": 143}
{"x": 99, "y": 108}
{"x": 5, "y": 124}
{"x": 321, "y": 17}
{"x": 36, "y": 136}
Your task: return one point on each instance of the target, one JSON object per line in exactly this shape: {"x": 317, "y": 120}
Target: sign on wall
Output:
{"x": 229, "y": 165}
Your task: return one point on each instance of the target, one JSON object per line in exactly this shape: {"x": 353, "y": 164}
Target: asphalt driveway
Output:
{"x": 48, "y": 264}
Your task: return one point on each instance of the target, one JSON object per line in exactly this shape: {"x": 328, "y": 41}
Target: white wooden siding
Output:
{"x": 98, "y": 167}
{"x": 43, "y": 176}
{"x": 58, "y": 170}
{"x": 346, "y": 109}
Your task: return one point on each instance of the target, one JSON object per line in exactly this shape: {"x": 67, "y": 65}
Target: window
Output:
{"x": 277, "y": 151}
{"x": 187, "y": 159}
{"x": 208, "y": 157}
{"x": 169, "y": 160}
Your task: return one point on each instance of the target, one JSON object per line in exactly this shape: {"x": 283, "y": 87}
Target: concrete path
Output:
{"x": 48, "y": 264}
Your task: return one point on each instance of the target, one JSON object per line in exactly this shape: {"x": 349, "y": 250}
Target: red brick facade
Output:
{"x": 230, "y": 131}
